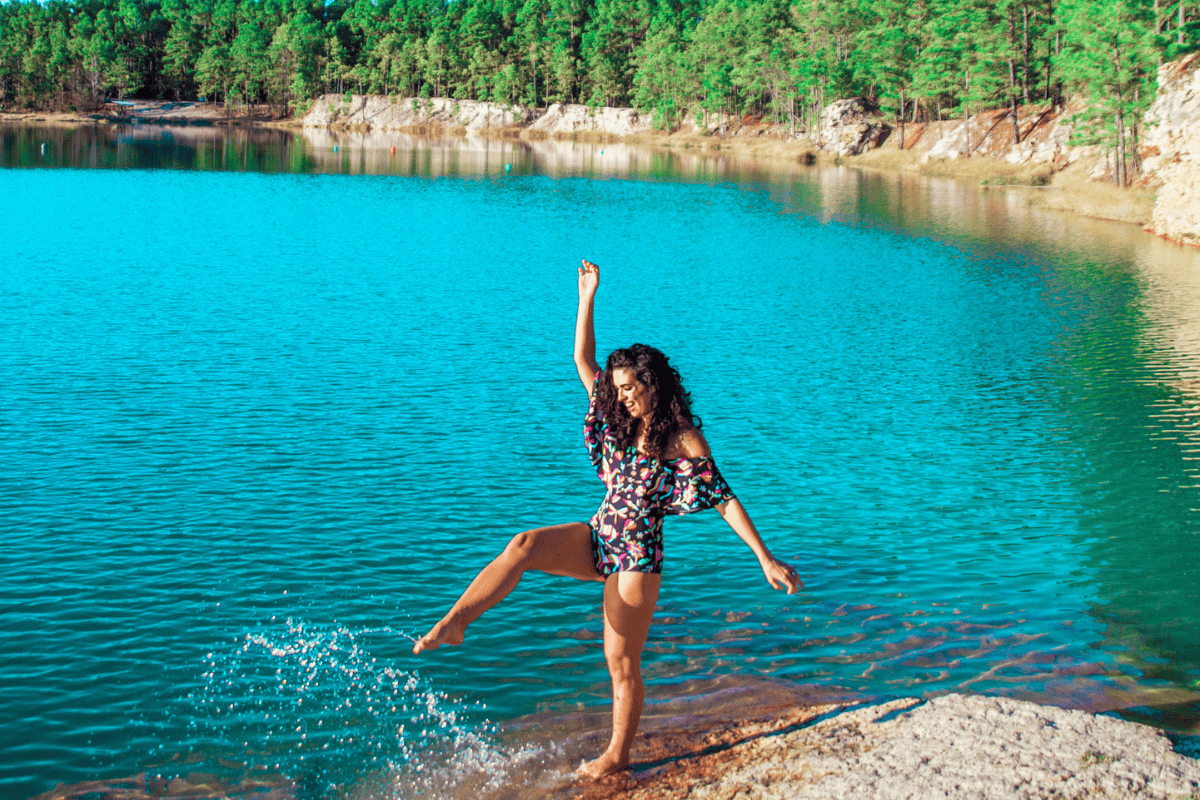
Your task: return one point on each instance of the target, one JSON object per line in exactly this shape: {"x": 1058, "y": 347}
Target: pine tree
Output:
{"x": 1109, "y": 53}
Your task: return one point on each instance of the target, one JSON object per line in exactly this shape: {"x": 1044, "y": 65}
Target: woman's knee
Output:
{"x": 558, "y": 549}
{"x": 522, "y": 546}
{"x": 624, "y": 667}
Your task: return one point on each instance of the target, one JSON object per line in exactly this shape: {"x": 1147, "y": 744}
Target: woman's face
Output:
{"x": 633, "y": 394}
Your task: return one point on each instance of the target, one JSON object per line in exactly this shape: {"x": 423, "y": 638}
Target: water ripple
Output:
{"x": 981, "y": 453}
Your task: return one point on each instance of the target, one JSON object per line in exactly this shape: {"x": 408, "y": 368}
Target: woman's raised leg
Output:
{"x": 629, "y": 599}
{"x": 558, "y": 549}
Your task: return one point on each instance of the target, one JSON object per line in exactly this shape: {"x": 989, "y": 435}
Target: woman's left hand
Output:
{"x": 782, "y": 575}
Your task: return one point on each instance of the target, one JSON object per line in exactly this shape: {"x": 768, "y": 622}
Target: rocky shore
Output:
{"x": 1038, "y": 158}
{"x": 955, "y": 746}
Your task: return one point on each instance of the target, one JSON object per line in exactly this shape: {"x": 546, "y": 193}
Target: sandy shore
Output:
{"x": 158, "y": 112}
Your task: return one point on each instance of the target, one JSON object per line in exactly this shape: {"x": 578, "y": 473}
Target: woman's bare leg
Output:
{"x": 558, "y": 549}
{"x": 629, "y": 599}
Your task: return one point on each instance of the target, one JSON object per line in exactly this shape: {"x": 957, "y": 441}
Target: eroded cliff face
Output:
{"x": 1171, "y": 152}
{"x": 377, "y": 112}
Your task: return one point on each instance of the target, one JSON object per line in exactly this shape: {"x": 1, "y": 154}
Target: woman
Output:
{"x": 648, "y": 450}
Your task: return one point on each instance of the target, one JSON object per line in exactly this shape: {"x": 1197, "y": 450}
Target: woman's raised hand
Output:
{"x": 589, "y": 280}
{"x": 585, "y": 334}
{"x": 782, "y": 575}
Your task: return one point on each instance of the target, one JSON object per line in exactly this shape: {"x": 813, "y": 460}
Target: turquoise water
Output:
{"x": 260, "y": 426}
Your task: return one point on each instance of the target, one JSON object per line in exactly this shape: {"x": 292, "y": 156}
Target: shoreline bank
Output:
{"x": 964, "y": 747}
{"x": 1051, "y": 173}
{"x": 1068, "y": 189}
{"x": 1031, "y": 146}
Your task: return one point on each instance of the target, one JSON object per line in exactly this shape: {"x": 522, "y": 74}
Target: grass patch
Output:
{"x": 1037, "y": 179}
{"x": 1095, "y": 757}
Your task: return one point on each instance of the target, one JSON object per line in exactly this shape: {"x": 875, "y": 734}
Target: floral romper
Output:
{"x": 627, "y": 529}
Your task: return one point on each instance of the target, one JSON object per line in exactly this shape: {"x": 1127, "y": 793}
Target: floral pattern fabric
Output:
{"x": 627, "y": 528}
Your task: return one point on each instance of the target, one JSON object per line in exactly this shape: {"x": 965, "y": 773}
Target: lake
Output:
{"x": 268, "y": 400}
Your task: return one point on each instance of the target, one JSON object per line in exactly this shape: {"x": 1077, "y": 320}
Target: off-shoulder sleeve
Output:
{"x": 697, "y": 484}
{"x": 595, "y": 428}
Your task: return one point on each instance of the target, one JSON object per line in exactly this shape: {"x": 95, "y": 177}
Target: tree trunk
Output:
{"x": 1049, "y": 55}
{"x": 1119, "y": 152}
{"x": 966, "y": 111}
{"x": 1012, "y": 102}
{"x": 1134, "y": 155}
{"x": 967, "y": 127}
{"x": 901, "y": 119}
{"x": 1025, "y": 53}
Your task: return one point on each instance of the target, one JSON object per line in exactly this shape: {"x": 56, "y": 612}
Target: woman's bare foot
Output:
{"x": 447, "y": 631}
{"x": 602, "y": 767}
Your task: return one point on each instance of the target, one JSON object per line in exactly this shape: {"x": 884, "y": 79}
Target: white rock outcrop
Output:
{"x": 383, "y": 113}
{"x": 1171, "y": 147}
{"x": 574, "y": 118}
{"x": 847, "y": 128}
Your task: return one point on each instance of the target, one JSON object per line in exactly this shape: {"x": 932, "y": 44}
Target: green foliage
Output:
{"x": 1039, "y": 179}
{"x": 715, "y": 59}
{"x": 1110, "y": 54}
{"x": 1094, "y": 757}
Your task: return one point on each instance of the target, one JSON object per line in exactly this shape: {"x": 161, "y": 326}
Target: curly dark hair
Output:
{"x": 671, "y": 404}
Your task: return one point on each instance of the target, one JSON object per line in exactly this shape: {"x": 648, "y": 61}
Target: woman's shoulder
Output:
{"x": 687, "y": 442}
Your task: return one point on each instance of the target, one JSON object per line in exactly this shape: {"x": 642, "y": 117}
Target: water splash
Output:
{"x": 314, "y": 703}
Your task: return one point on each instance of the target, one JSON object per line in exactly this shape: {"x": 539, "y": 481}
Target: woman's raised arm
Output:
{"x": 585, "y": 335}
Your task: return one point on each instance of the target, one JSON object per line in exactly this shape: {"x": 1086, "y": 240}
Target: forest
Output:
{"x": 782, "y": 59}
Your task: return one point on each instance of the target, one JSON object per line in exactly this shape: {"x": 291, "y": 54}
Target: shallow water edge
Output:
{"x": 760, "y": 738}
{"x": 997, "y": 491}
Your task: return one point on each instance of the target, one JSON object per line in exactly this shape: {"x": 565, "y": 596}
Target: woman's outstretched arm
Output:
{"x": 780, "y": 574}
{"x": 585, "y": 335}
